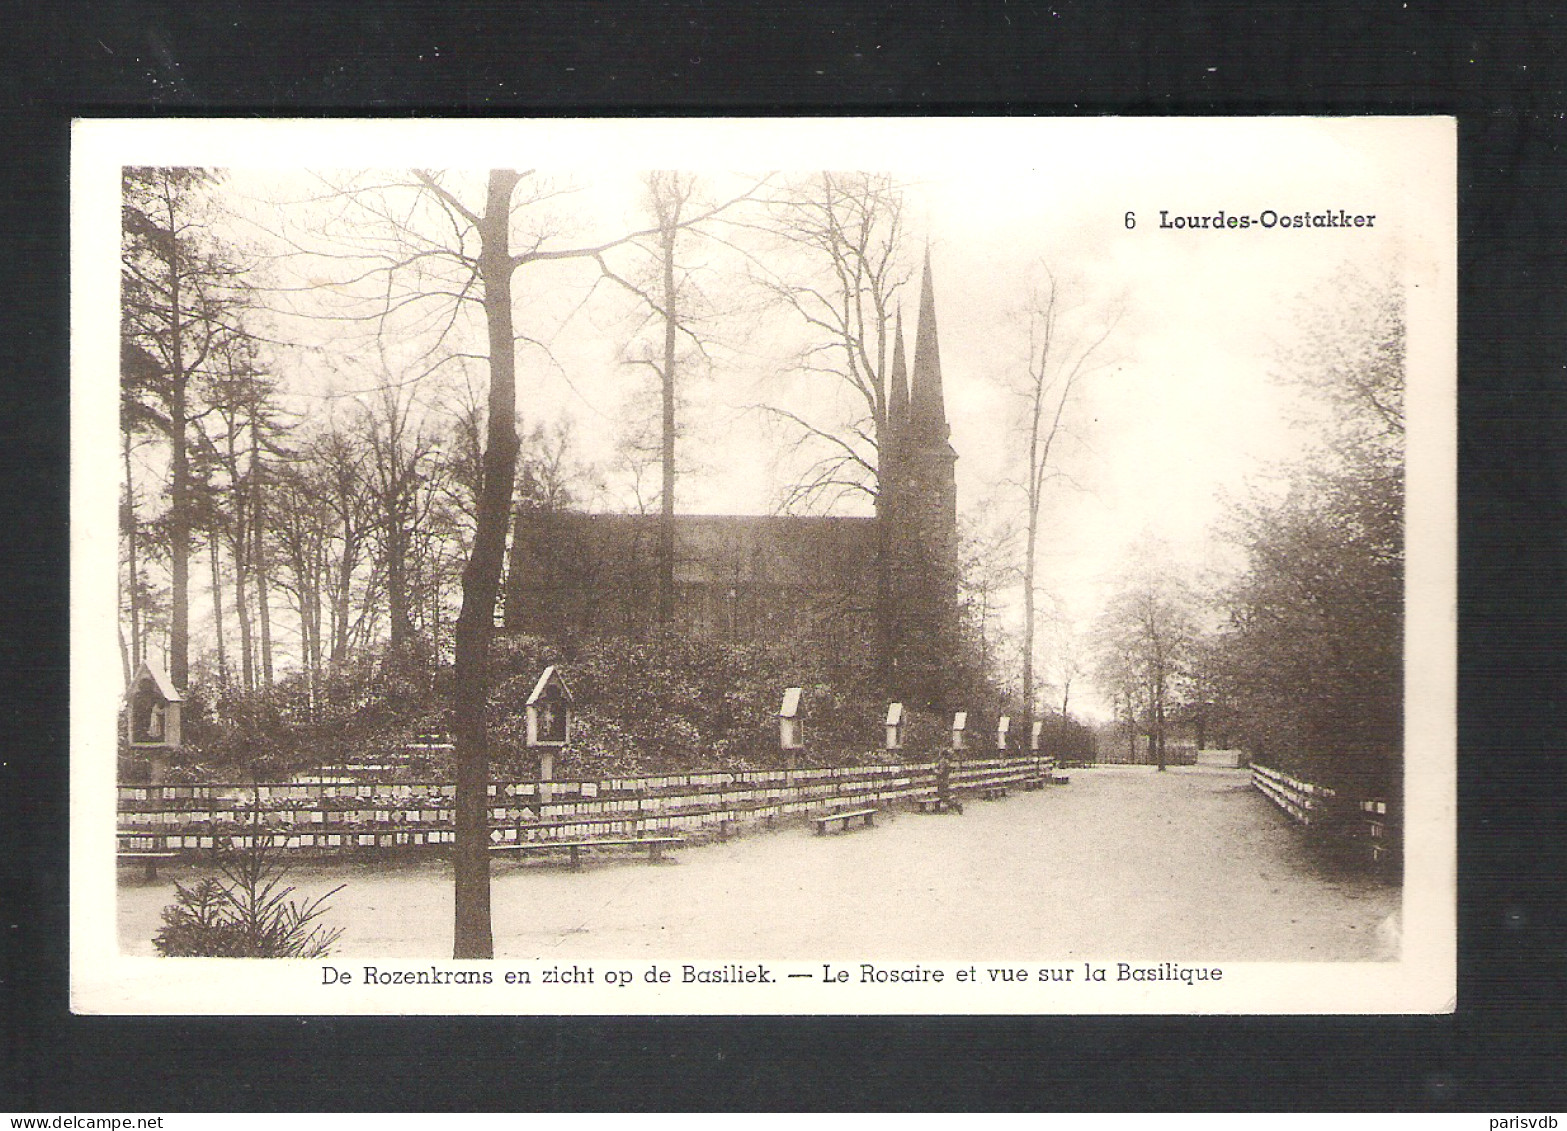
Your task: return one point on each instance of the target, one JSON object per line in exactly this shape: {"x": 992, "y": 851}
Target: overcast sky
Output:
{"x": 1182, "y": 412}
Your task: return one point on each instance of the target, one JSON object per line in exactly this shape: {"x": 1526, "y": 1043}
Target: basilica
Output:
{"x": 878, "y": 593}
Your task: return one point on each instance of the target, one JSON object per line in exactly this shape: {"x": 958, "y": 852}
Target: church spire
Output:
{"x": 922, "y": 523}
{"x": 898, "y": 395}
{"x": 927, "y": 406}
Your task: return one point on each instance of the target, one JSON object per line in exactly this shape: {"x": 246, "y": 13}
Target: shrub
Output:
{"x": 673, "y": 704}
{"x": 248, "y": 916}
{"x": 662, "y": 703}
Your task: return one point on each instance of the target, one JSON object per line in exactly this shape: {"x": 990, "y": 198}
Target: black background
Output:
{"x": 1499, "y": 68}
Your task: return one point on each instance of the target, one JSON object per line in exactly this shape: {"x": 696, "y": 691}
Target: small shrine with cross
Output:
{"x": 549, "y": 718}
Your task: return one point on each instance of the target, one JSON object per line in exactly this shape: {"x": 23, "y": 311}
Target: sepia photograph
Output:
{"x": 791, "y": 566}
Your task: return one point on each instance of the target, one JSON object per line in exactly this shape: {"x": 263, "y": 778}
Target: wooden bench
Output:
{"x": 1032, "y": 783}
{"x": 992, "y": 792}
{"x": 930, "y": 803}
{"x": 1059, "y": 779}
{"x": 844, "y": 815}
{"x": 654, "y": 844}
{"x": 151, "y": 859}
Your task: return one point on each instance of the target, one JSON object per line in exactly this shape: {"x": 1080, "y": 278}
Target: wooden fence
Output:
{"x": 327, "y": 818}
{"x": 1305, "y": 802}
{"x": 1369, "y": 823}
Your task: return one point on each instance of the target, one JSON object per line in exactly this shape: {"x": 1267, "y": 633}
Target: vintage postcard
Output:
{"x": 764, "y": 566}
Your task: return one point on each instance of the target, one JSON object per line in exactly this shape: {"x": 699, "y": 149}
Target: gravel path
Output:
{"x": 1188, "y": 864}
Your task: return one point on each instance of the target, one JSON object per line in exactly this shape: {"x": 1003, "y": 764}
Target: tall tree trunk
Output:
{"x": 259, "y": 555}
{"x": 342, "y": 594}
{"x": 131, "y": 561}
{"x": 397, "y": 602}
{"x": 1042, "y": 432}
{"x": 217, "y": 608}
{"x": 179, "y": 493}
{"x": 666, "y": 526}
{"x": 472, "y": 933}
{"x": 435, "y": 634}
{"x": 239, "y": 546}
{"x": 247, "y": 663}
{"x": 310, "y": 634}
{"x": 888, "y": 525}
{"x": 1158, "y": 723}
{"x": 1029, "y": 616}
{"x": 316, "y": 664}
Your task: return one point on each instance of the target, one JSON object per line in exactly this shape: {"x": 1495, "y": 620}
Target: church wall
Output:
{"x": 775, "y": 581}
{"x": 807, "y": 583}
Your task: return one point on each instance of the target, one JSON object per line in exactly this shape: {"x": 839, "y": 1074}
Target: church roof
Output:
{"x": 808, "y": 551}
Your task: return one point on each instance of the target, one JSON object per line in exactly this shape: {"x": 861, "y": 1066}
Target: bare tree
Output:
{"x": 1058, "y": 360}
{"x": 987, "y": 568}
{"x": 666, "y": 287}
{"x": 850, "y": 227}
{"x": 1147, "y": 634}
{"x": 433, "y": 257}
{"x": 495, "y": 264}
{"x": 668, "y": 193}
{"x": 301, "y": 530}
{"x": 399, "y": 455}
{"x": 1068, "y": 652}
{"x": 241, "y": 421}
{"x": 339, "y": 462}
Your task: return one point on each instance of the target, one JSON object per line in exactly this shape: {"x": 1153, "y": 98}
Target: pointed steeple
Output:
{"x": 927, "y": 406}
{"x": 921, "y": 515}
{"x": 898, "y": 395}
